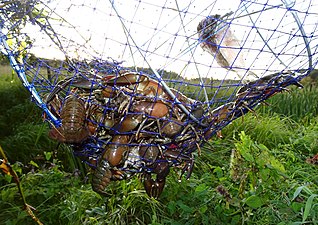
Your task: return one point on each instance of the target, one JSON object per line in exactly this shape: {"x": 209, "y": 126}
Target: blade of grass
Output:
{"x": 308, "y": 206}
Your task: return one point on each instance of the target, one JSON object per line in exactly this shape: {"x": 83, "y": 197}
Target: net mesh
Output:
{"x": 137, "y": 86}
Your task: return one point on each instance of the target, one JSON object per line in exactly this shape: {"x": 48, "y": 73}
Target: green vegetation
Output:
{"x": 257, "y": 174}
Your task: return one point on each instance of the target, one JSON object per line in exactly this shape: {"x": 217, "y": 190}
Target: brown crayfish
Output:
{"x": 139, "y": 128}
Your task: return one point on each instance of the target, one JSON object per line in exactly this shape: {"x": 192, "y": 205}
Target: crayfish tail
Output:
{"x": 101, "y": 177}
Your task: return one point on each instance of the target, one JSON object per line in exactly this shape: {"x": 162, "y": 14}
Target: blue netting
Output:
{"x": 137, "y": 87}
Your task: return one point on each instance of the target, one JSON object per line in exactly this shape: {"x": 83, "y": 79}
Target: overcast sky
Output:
{"x": 163, "y": 33}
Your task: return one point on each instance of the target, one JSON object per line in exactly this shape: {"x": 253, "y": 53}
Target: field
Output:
{"x": 261, "y": 172}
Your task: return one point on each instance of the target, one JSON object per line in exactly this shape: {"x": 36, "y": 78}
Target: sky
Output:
{"x": 162, "y": 34}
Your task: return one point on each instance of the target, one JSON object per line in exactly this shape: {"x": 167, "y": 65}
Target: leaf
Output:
{"x": 201, "y": 188}
{"x": 263, "y": 148}
{"x": 247, "y": 156}
{"x": 8, "y": 178}
{"x": 262, "y": 159}
{"x": 297, "y": 192}
{"x": 219, "y": 172}
{"x": 266, "y": 157}
{"x": 48, "y": 155}
{"x": 299, "y": 189}
{"x": 17, "y": 168}
{"x": 276, "y": 164}
{"x": 308, "y": 206}
{"x": 254, "y": 201}
{"x": 34, "y": 164}
{"x": 203, "y": 209}
{"x": 296, "y": 206}
{"x": 244, "y": 147}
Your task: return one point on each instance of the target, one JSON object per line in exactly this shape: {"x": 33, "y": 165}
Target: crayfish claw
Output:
{"x": 153, "y": 188}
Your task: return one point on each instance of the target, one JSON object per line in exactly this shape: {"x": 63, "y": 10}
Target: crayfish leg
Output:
{"x": 56, "y": 134}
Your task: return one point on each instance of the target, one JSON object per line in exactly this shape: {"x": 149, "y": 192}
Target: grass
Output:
{"x": 256, "y": 174}
{"x": 204, "y": 199}
{"x": 299, "y": 104}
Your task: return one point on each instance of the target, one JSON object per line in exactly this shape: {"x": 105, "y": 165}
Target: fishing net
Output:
{"x": 139, "y": 86}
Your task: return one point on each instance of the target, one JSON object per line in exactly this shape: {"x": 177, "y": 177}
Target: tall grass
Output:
{"x": 298, "y": 104}
{"x": 270, "y": 130}
{"x": 22, "y": 132}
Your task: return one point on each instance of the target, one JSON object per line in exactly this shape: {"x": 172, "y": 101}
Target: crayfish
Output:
{"x": 138, "y": 128}
{"x": 73, "y": 128}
